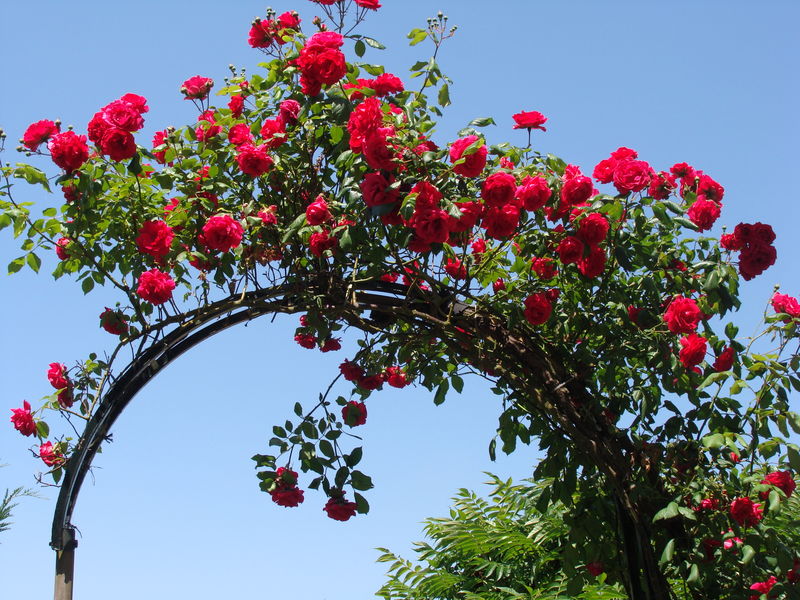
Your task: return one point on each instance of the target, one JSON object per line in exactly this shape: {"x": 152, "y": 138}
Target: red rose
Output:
{"x": 62, "y": 246}
{"x": 253, "y": 160}
{"x": 378, "y": 151}
{"x": 682, "y": 315}
{"x": 710, "y": 189}
{"x": 155, "y": 239}
{"x": 68, "y": 150}
{"x": 288, "y": 111}
{"x": 322, "y": 241}
{"x": 783, "y": 303}
{"x": 338, "y": 508}
{"x": 533, "y": 193}
{"x": 595, "y": 568}
{"x": 529, "y": 120}
{"x": 730, "y": 241}
{"x": 756, "y": 259}
{"x": 50, "y": 455}
{"x": 236, "y": 105}
{"x": 155, "y": 286}
{"x": 396, "y": 377}
{"x": 545, "y": 268}
{"x": 538, "y": 308}
{"x": 331, "y": 345}
{"x": 136, "y": 101}
{"x": 693, "y": 350}
{"x": 274, "y": 132}
{"x": 240, "y": 134}
{"x": 662, "y": 185}
{"x": 604, "y": 170}
{"x": 376, "y": 191}
{"x": 22, "y": 419}
{"x": 577, "y": 188}
{"x": 38, "y": 133}
{"x": 159, "y": 139}
{"x": 593, "y": 264}
{"x": 499, "y": 189}
{"x": 207, "y": 129}
{"x": 455, "y": 268}
{"x": 197, "y": 87}
{"x": 113, "y": 322}
{"x": 351, "y": 371}
{"x": 306, "y": 340}
{"x": 763, "y": 587}
{"x": 57, "y": 376}
{"x": 321, "y": 62}
{"x": 501, "y": 222}
{"x": 473, "y": 163}
{"x": 287, "y": 496}
{"x": 703, "y": 213}
{"x": 570, "y": 250}
{"x": 724, "y": 361}
{"x": 123, "y": 115}
{"x": 782, "y": 480}
{"x": 118, "y": 144}
{"x": 371, "y": 382}
{"x": 221, "y": 232}
{"x": 632, "y": 176}
{"x": 365, "y": 118}
{"x": 498, "y": 285}
{"x": 370, "y": 4}
{"x": 431, "y": 225}
{"x": 354, "y": 413}
{"x": 745, "y": 512}
{"x": 593, "y": 229}
{"x": 386, "y": 84}
{"x": 317, "y": 212}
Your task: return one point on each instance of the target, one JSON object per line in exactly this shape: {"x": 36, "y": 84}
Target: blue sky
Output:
{"x": 174, "y": 497}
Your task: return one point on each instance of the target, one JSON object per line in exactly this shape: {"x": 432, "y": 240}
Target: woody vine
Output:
{"x": 600, "y": 314}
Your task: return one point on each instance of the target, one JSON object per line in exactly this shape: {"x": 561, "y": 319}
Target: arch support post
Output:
{"x": 65, "y": 565}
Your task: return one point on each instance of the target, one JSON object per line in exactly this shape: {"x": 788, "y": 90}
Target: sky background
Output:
{"x": 173, "y": 508}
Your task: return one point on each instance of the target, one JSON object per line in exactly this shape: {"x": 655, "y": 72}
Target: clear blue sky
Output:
{"x": 174, "y": 499}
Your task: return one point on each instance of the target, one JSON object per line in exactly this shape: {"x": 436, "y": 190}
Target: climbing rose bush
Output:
{"x": 597, "y": 300}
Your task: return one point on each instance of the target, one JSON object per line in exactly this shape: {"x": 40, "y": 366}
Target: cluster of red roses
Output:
{"x": 68, "y": 149}
{"x": 370, "y": 4}
{"x": 264, "y": 33}
{"x": 754, "y": 244}
{"x": 286, "y": 493}
{"x": 111, "y": 129}
{"x": 338, "y": 508}
{"x": 395, "y": 376}
{"x": 682, "y": 316}
{"x": 321, "y": 62}
{"x": 58, "y": 378}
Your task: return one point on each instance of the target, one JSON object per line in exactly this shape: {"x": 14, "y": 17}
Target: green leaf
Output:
{"x": 16, "y": 264}
{"x": 362, "y": 506}
{"x": 295, "y": 226}
{"x": 669, "y": 512}
{"x": 42, "y": 429}
{"x": 747, "y": 554}
{"x": 416, "y": 36}
{"x": 373, "y": 43}
{"x": 667, "y": 554}
{"x": 359, "y": 481}
{"x": 713, "y": 378}
{"x": 352, "y": 459}
{"x": 327, "y": 448}
{"x": 793, "y": 457}
{"x": 457, "y": 383}
{"x": 360, "y": 48}
{"x": 694, "y": 574}
{"x": 32, "y": 175}
{"x": 713, "y": 441}
{"x": 482, "y": 122}
{"x": 441, "y": 393}
{"x": 34, "y": 262}
{"x": 444, "y": 95}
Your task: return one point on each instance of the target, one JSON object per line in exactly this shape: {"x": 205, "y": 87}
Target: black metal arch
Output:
{"x": 214, "y": 319}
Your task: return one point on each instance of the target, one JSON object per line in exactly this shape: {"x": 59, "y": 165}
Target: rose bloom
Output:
{"x": 431, "y": 225}
{"x": 236, "y": 105}
{"x": 38, "y": 133}
{"x": 499, "y": 189}
{"x": 331, "y": 345}
{"x": 253, "y": 160}
{"x": 197, "y": 87}
{"x": 155, "y": 239}
{"x": 455, "y": 268}
{"x": 287, "y": 496}
{"x": 498, "y": 285}
{"x": 371, "y": 382}
{"x": 783, "y": 303}
{"x": 529, "y": 120}
{"x": 378, "y": 151}
{"x": 22, "y": 419}
{"x": 321, "y": 241}
{"x": 577, "y": 188}
{"x": 632, "y": 176}
{"x": 57, "y": 376}
{"x": 396, "y": 377}
{"x": 473, "y": 163}
{"x": 745, "y": 512}
{"x": 533, "y": 193}
{"x": 724, "y": 361}
{"x": 351, "y": 371}
{"x": 118, "y": 144}
{"x": 221, "y": 232}
{"x": 113, "y": 322}
{"x": 159, "y": 139}
{"x": 321, "y": 62}
{"x": 593, "y": 264}
{"x": 370, "y": 4}
{"x": 756, "y": 259}
{"x": 123, "y": 115}
{"x": 763, "y": 587}
{"x": 386, "y": 84}
{"x": 782, "y": 480}
{"x": 729, "y": 241}
{"x": 274, "y": 132}
{"x": 340, "y": 509}
{"x": 376, "y": 191}
{"x": 68, "y": 150}
{"x": 501, "y": 222}
{"x": 240, "y": 134}
{"x": 49, "y": 455}
{"x": 155, "y": 286}
{"x": 595, "y": 568}
{"x": 662, "y": 185}
{"x": 288, "y": 110}
{"x": 62, "y": 246}
{"x": 593, "y": 229}
{"x": 545, "y": 268}
{"x": 693, "y": 350}
{"x": 317, "y": 212}
{"x": 570, "y": 250}
{"x": 703, "y": 213}
{"x": 306, "y": 340}
{"x": 682, "y": 315}
{"x": 354, "y": 413}
{"x": 538, "y": 308}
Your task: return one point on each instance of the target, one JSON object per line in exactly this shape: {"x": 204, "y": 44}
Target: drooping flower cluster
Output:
{"x": 111, "y": 129}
